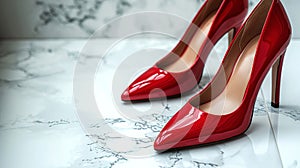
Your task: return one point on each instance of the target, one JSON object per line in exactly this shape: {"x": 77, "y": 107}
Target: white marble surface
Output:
{"x": 286, "y": 120}
{"x": 39, "y": 124}
{"x": 80, "y": 18}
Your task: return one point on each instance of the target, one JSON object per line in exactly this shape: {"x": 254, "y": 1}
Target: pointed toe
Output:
{"x": 154, "y": 83}
{"x": 188, "y": 127}
{"x": 134, "y": 94}
{"x": 125, "y": 95}
{"x": 179, "y": 131}
{"x": 164, "y": 141}
{"x": 135, "y": 91}
{"x": 158, "y": 144}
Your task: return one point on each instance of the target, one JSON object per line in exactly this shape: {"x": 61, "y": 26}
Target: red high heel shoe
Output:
{"x": 224, "y": 108}
{"x": 181, "y": 70}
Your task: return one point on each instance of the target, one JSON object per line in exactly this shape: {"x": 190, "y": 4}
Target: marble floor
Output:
{"x": 60, "y": 107}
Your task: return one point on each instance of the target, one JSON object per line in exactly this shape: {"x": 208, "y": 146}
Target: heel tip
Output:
{"x": 275, "y": 105}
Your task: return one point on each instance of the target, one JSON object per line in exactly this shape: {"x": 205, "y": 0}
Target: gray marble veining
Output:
{"x": 38, "y": 115}
{"x": 292, "y": 112}
{"x": 80, "y": 18}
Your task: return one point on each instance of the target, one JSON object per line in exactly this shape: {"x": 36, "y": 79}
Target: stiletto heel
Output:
{"x": 224, "y": 108}
{"x": 180, "y": 70}
{"x": 276, "y": 81}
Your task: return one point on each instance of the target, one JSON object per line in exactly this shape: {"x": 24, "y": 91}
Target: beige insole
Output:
{"x": 188, "y": 57}
{"x": 232, "y": 96}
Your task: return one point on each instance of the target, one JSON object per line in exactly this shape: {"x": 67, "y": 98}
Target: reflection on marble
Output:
{"x": 39, "y": 126}
{"x": 290, "y": 112}
{"x": 286, "y": 120}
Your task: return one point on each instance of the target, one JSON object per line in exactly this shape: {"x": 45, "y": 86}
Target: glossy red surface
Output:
{"x": 157, "y": 83}
{"x": 191, "y": 126}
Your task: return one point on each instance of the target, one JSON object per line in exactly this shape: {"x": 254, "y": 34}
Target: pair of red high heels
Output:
{"x": 224, "y": 108}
